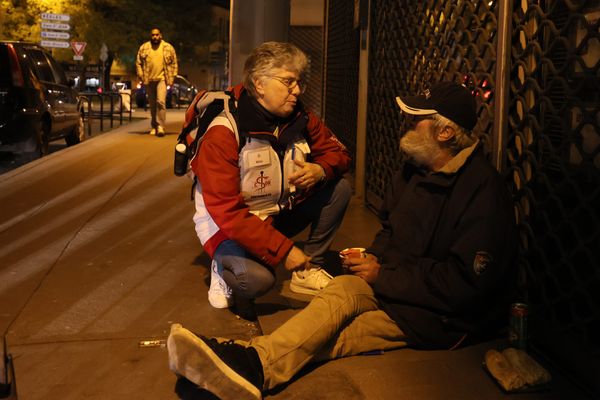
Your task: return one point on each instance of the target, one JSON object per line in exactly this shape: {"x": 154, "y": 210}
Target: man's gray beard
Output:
{"x": 422, "y": 149}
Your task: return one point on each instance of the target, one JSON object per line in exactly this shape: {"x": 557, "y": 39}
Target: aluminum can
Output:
{"x": 517, "y": 328}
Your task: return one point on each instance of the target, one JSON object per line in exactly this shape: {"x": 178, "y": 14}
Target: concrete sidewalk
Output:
{"x": 99, "y": 257}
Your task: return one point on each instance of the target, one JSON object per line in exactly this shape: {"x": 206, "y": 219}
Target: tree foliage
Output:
{"x": 123, "y": 25}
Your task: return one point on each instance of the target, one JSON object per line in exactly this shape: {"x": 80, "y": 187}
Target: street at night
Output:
{"x": 390, "y": 200}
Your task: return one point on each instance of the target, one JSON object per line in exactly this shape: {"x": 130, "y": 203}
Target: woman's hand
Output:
{"x": 307, "y": 175}
{"x": 366, "y": 267}
{"x": 296, "y": 259}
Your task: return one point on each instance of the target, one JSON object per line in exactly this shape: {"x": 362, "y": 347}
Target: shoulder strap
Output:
{"x": 224, "y": 99}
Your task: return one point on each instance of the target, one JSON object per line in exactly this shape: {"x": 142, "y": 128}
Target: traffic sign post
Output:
{"x": 54, "y": 27}
{"x": 55, "y": 44}
{"x": 55, "y": 35}
{"x": 78, "y": 48}
{"x": 103, "y": 57}
{"x": 56, "y": 17}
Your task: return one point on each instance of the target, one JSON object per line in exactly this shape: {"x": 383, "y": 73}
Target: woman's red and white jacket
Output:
{"x": 239, "y": 190}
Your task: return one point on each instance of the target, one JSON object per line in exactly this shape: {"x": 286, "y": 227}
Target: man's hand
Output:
{"x": 366, "y": 268}
{"x": 308, "y": 174}
{"x": 296, "y": 259}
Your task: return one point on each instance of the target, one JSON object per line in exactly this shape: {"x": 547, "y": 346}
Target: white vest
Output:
{"x": 263, "y": 179}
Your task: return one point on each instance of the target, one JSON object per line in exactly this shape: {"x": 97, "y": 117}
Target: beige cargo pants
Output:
{"x": 342, "y": 320}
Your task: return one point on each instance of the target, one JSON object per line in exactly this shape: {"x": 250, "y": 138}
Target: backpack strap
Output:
{"x": 215, "y": 103}
{"x": 207, "y": 109}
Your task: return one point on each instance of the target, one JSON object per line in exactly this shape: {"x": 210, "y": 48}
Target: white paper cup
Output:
{"x": 352, "y": 252}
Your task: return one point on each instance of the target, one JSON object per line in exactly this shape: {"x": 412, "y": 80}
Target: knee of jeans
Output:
{"x": 256, "y": 283}
{"x": 343, "y": 190}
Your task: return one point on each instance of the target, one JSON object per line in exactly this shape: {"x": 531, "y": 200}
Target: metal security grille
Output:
{"x": 414, "y": 44}
{"x": 342, "y": 56}
{"x": 552, "y": 157}
{"x": 553, "y": 154}
{"x": 310, "y": 40}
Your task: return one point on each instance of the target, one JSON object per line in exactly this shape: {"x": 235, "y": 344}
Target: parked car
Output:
{"x": 180, "y": 93}
{"x": 37, "y": 103}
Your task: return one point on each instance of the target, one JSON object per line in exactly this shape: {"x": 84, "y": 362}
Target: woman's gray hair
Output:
{"x": 462, "y": 138}
{"x": 270, "y": 55}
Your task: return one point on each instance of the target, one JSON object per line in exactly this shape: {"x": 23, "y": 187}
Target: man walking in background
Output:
{"x": 156, "y": 66}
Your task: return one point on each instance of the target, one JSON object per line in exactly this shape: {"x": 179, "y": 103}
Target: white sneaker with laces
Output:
{"x": 160, "y": 132}
{"x": 152, "y": 131}
{"x": 310, "y": 281}
{"x": 219, "y": 294}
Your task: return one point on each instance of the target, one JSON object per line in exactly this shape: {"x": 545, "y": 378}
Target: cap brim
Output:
{"x": 414, "y": 110}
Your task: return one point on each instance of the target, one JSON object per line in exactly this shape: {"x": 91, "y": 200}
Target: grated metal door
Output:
{"x": 552, "y": 156}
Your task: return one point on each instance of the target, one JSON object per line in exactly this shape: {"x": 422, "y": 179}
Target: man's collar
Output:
{"x": 458, "y": 160}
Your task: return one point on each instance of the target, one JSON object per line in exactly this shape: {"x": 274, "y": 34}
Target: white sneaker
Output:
{"x": 309, "y": 281}
{"x": 219, "y": 294}
{"x": 152, "y": 131}
{"x": 160, "y": 132}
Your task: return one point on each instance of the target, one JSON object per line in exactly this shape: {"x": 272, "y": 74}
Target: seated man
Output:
{"x": 438, "y": 275}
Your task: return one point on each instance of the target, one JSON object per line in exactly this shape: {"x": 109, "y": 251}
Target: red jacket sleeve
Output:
{"x": 216, "y": 167}
{"x": 326, "y": 149}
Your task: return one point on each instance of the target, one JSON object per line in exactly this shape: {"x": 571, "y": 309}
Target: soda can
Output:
{"x": 517, "y": 329}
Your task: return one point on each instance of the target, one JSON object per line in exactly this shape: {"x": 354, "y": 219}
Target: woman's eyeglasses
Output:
{"x": 291, "y": 83}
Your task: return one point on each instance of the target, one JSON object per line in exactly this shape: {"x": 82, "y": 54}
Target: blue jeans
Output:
{"x": 249, "y": 278}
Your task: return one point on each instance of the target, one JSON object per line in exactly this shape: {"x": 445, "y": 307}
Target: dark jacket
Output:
{"x": 447, "y": 250}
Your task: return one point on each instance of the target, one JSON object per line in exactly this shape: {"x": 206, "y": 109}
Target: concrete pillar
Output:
{"x": 363, "y": 86}
{"x": 252, "y": 23}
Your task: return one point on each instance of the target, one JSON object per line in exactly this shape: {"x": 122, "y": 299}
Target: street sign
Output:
{"x": 55, "y": 35}
{"x": 56, "y": 17}
{"x": 52, "y": 43}
{"x": 78, "y": 47}
{"x": 52, "y": 23}
{"x": 55, "y": 26}
{"x": 103, "y": 52}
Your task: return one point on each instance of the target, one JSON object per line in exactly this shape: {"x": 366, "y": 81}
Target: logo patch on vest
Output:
{"x": 481, "y": 262}
{"x": 261, "y": 183}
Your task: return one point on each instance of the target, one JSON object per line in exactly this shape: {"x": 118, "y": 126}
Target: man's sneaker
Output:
{"x": 219, "y": 294}
{"x": 310, "y": 281}
{"x": 152, "y": 131}
{"x": 226, "y": 369}
{"x": 160, "y": 132}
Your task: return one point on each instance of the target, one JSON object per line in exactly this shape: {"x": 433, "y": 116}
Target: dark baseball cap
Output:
{"x": 449, "y": 99}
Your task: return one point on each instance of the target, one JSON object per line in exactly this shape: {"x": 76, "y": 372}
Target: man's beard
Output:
{"x": 421, "y": 148}
{"x": 155, "y": 41}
